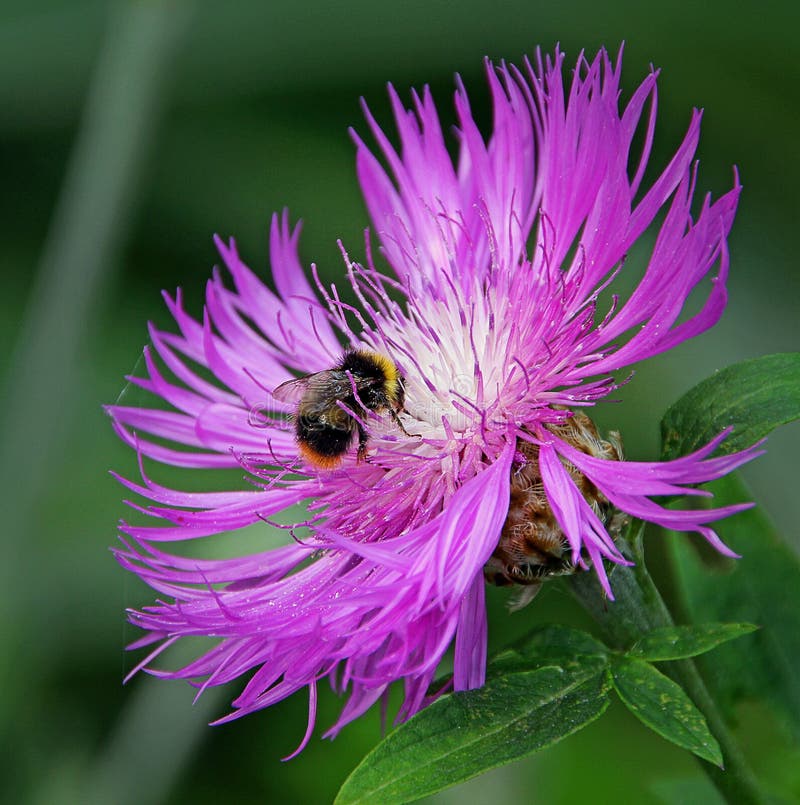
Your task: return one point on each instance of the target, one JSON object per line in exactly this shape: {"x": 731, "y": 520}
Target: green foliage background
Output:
{"x": 243, "y": 109}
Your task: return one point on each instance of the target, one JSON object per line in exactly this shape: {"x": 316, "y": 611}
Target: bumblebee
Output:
{"x": 361, "y": 380}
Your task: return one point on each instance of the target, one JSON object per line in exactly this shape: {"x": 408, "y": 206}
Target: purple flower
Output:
{"x": 488, "y": 310}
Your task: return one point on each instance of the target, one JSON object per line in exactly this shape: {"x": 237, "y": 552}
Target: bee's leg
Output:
{"x": 399, "y": 424}
{"x": 363, "y": 436}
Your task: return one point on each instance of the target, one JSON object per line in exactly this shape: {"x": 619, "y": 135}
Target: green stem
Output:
{"x": 638, "y": 608}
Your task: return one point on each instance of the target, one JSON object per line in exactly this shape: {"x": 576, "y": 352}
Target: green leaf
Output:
{"x": 550, "y": 645}
{"x": 753, "y": 396}
{"x": 762, "y": 586}
{"x": 464, "y": 734}
{"x": 680, "y": 642}
{"x": 663, "y": 706}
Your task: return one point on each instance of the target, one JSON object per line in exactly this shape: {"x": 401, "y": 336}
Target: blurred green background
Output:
{"x": 129, "y": 134}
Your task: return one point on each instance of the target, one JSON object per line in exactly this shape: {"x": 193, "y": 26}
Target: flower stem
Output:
{"x": 638, "y": 608}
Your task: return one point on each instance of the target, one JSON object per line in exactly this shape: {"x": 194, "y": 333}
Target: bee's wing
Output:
{"x": 293, "y": 391}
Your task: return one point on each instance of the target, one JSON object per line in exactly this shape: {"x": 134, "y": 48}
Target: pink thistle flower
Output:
{"x": 489, "y": 311}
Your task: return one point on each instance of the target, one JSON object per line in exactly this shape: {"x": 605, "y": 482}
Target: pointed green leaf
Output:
{"x": 550, "y": 645}
{"x": 680, "y": 642}
{"x": 753, "y": 396}
{"x": 663, "y": 706}
{"x": 762, "y": 586}
{"x": 464, "y": 734}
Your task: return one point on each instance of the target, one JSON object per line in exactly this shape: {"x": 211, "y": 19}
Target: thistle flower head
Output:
{"x": 484, "y": 310}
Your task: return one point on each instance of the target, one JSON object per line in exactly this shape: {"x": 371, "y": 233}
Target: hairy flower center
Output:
{"x": 532, "y": 546}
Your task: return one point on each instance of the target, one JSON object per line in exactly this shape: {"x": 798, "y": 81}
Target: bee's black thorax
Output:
{"x": 378, "y": 383}
{"x": 362, "y": 364}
